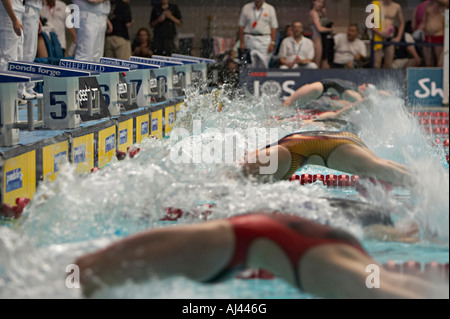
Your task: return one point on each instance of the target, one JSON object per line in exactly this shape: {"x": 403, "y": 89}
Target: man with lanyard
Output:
{"x": 297, "y": 51}
{"x": 258, "y": 26}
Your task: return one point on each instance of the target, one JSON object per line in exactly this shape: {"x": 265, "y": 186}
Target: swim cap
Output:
{"x": 369, "y": 89}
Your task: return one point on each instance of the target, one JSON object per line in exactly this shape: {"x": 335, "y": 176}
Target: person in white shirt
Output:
{"x": 54, "y": 12}
{"x": 258, "y": 26}
{"x": 93, "y": 26}
{"x": 349, "y": 51}
{"x": 297, "y": 51}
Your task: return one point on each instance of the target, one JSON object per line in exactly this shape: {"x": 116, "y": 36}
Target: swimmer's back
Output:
{"x": 338, "y": 85}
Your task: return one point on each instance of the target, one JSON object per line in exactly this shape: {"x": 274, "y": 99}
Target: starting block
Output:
{"x": 165, "y": 75}
{"x": 117, "y": 93}
{"x": 184, "y": 71}
{"x": 199, "y": 70}
{"x": 63, "y": 98}
{"x": 143, "y": 76}
{"x": 9, "y": 110}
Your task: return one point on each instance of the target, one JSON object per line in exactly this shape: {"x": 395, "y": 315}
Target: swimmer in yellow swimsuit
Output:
{"x": 342, "y": 151}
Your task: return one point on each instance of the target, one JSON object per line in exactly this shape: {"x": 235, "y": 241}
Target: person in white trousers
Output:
{"x": 27, "y": 52}
{"x": 258, "y": 26}
{"x": 92, "y": 28}
{"x": 11, "y": 30}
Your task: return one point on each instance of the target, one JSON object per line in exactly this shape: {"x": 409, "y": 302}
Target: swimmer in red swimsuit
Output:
{"x": 315, "y": 258}
{"x": 342, "y": 151}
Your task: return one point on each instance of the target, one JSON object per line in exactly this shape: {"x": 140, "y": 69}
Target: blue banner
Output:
{"x": 425, "y": 86}
{"x": 144, "y": 128}
{"x": 47, "y": 70}
{"x": 201, "y": 60}
{"x": 132, "y": 65}
{"x": 13, "y": 180}
{"x": 174, "y": 59}
{"x": 283, "y": 83}
{"x": 13, "y": 77}
{"x": 91, "y": 66}
{"x": 161, "y": 63}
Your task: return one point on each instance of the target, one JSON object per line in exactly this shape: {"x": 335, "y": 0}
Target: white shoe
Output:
{"x": 27, "y": 96}
{"x": 21, "y": 102}
{"x": 38, "y": 95}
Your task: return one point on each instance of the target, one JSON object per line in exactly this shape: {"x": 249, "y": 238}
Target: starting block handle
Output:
{"x": 161, "y": 87}
{"x": 132, "y": 92}
{"x": 93, "y": 104}
{"x": 30, "y": 116}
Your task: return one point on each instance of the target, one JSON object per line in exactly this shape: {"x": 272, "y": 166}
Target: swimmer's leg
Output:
{"x": 305, "y": 93}
{"x": 340, "y": 271}
{"x": 363, "y": 162}
{"x": 198, "y": 251}
{"x": 277, "y": 157}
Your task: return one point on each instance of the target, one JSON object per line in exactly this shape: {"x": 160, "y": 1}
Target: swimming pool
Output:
{"x": 76, "y": 214}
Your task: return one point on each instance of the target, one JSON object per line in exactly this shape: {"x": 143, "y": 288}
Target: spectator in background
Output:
{"x": 27, "y": 51}
{"x": 416, "y": 22}
{"x": 349, "y": 50}
{"x": 258, "y": 26}
{"x": 93, "y": 26}
{"x": 297, "y": 51}
{"x": 321, "y": 33}
{"x": 418, "y": 15}
{"x": 142, "y": 44}
{"x": 117, "y": 42}
{"x": 54, "y": 15}
{"x": 406, "y": 56}
{"x": 433, "y": 26}
{"x": 275, "y": 60}
{"x": 392, "y": 16}
{"x": 288, "y": 32}
{"x": 164, "y": 19}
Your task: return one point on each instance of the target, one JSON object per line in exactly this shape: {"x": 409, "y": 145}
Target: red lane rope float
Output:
{"x": 342, "y": 180}
{"x": 434, "y": 121}
{"x": 255, "y": 274}
{"x": 429, "y": 270}
{"x": 14, "y": 212}
{"x": 328, "y": 180}
{"x": 431, "y": 114}
{"x": 173, "y": 213}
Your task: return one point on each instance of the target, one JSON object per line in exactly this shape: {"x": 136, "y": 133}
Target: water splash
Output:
{"x": 76, "y": 214}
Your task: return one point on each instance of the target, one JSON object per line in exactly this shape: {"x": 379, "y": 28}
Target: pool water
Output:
{"x": 78, "y": 214}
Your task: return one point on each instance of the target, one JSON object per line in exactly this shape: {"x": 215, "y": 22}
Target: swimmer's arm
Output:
{"x": 391, "y": 233}
{"x": 352, "y": 96}
{"x": 383, "y": 92}
{"x": 344, "y": 111}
